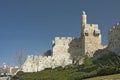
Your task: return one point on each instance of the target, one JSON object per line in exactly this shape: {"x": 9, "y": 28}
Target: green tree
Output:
{"x": 87, "y": 60}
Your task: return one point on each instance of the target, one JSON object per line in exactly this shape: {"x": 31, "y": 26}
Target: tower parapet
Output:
{"x": 64, "y": 38}
{"x": 61, "y": 45}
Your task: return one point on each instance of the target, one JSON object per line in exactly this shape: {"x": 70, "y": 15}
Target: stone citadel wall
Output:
{"x": 70, "y": 50}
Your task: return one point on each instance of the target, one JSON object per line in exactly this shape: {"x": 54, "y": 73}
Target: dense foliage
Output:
{"x": 103, "y": 66}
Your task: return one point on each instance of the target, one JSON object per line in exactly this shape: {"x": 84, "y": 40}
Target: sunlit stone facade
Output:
{"x": 70, "y": 50}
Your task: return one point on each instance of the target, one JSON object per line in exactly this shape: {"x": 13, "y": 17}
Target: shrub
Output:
{"x": 87, "y": 61}
{"x": 59, "y": 68}
{"x": 106, "y": 70}
{"x": 20, "y": 73}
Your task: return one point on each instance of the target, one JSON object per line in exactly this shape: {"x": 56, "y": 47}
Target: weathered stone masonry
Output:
{"x": 69, "y": 50}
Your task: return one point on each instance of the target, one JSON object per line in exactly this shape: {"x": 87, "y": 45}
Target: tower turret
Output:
{"x": 83, "y": 18}
{"x": 90, "y": 36}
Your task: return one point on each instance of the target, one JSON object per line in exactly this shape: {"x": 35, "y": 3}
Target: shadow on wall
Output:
{"x": 48, "y": 53}
{"x": 101, "y": 53}
{"x": 75, "y": 51}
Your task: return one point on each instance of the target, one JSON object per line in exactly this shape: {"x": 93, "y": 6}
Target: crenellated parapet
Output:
{"x": 95, "y": 26}
{"x": 114, "y": 31}
{"x": 62, "y": 41}
{"x": 90, "y": 28}
{"x": 115, "y": 28}
{"x": 64, "y": 38}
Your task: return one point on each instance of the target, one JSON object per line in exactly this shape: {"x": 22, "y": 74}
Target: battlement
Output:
{"x": 35, "y": 57}
{"x": 114, "y": 28}
{"x": 118, "y": 24}
{"x": 29, "y": 56}
{"x": 95, "y": 26}
{"x": 64, "y": 38}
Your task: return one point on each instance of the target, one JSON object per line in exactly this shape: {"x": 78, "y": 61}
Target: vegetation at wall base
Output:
{"x": 103, "y": 66}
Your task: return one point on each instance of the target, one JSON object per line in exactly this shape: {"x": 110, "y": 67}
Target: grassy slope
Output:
{"x": 50, "y": 75}
{"x": 108, "y": 77}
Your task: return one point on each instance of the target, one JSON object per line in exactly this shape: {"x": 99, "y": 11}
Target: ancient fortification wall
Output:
{"x": 61, "y": 46}
{"x": 69, "y": 50}
{"x": 38, "y": 63}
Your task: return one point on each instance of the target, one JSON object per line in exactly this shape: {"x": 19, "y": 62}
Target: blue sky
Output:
{"x": 33, "y": 24}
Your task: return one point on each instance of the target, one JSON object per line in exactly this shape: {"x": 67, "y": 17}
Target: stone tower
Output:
{"x": 114, "y": 39}
{"x": 83, "y": 19}
{"x": 90, "y": 36}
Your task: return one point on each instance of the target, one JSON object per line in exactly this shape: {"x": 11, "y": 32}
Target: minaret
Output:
{"x": 83, "y": 19}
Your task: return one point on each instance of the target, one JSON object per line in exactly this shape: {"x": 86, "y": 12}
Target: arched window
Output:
{"x": 96, "y": 32}
{"x": 86, "y": 33}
